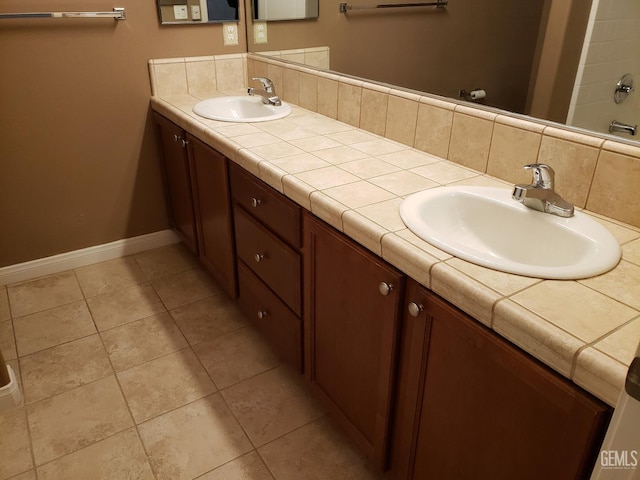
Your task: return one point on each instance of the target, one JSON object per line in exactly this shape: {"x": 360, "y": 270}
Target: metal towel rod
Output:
{"x": 116, "y": 14}
{"x": 344, "y": 7}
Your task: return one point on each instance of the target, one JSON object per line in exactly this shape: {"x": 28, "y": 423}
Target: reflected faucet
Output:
{"x": 616, "y": 126}
{"x": 268, "y": 95}
{"x": 540, "y": 194}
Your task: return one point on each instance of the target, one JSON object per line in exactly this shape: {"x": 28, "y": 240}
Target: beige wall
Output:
{"x": 434, "y": 51}
{"x": 78, "y": 153}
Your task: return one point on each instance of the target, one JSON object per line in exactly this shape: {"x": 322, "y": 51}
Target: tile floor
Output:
{"x": 141, "y": 368}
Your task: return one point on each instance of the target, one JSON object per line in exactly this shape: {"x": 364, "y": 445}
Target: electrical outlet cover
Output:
{"x": 260, "y": 32}
{"x": 230, "y": 32}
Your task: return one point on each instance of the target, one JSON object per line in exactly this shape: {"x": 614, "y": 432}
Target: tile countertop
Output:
{"x": 587, "y": 330}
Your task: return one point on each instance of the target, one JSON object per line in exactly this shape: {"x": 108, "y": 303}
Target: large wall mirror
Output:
{"x": 270, "y": 10}
{"x": 527, "y": 56}
{"x": 189, "y": 12}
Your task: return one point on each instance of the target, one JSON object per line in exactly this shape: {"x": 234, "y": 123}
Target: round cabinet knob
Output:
{"x": 258, "y": 257}
{"x": 262, "y": 314}
{"x": 255, "y": 202}
{"x": 415, "y": 309}
{"x": 385, "y": 288}
{"x": 184, "y": 143}
{"x": 176, "y": 137}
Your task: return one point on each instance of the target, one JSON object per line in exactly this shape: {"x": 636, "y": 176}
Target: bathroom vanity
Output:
{"x": 420, "y": 386}
{"x": 435, "y": 367}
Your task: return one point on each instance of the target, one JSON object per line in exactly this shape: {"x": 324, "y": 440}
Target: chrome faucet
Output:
{"x": 616, "y": 126}
{"x": 268, "y": 95}
{"x": 540, "y": 194}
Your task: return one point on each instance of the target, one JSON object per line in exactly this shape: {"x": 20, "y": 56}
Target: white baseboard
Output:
{"x": 85, "y": 256}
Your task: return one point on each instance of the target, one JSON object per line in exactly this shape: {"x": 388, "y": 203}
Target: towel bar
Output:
{"x": 116, "y": 14}
{"x": 344, "y": 7}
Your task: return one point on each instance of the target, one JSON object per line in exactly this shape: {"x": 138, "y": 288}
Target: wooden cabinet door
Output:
{"x": 213, "y": 210}
{"x": 485, "y": 409}
{"x": 350, "y": 333}
{"x": 178, "y": 181}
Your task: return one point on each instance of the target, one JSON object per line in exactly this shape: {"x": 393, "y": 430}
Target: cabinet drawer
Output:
{"x": 277, "y": 264}
{"x": 281, "y": 327}
{"x": 269, "y": 206}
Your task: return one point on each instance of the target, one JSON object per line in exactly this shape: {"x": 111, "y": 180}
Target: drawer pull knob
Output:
{"x": 262, "y": 314}
{"x": 385, "y": 288}
{"x": 258, "y": 257}
{"x": 255, "y": 202}
{"x": 415, "y": 309}
{"x": 185, "y": 143}
{"x": 176, "y": 137}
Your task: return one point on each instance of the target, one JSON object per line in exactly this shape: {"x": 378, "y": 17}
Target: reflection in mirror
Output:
{"x": 527, "y": 56}
{"x": 284, "y": 9}
{"x": 190, "y": 12}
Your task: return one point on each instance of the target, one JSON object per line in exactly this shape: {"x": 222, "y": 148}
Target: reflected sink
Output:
{"x": 485, "y": 226}
{"x": 240, "y": 109}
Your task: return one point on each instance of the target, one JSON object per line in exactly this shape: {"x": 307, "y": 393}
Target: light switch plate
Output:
{"x": 195, "y": 12}
{"x": 260, "y": 32}
{"x": 230, "y": 32}
{"x": 180, "y": 12}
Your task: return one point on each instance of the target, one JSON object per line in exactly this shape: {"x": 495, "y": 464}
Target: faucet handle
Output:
{"x": 267, "y": 84}
{"x": 543, "y": 175}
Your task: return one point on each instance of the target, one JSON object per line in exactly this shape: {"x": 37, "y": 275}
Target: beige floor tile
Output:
{"x": 61, "y": 368}
{"x": 185, "y": 287}
{"x": 7, "y": 341}
{"x": 118, "y": 457}
{"x": 193, "y": 440}
{"x": 160, "y": 334}
{"x": 43, "y": 293}
{"x": 165, "y": 261}
{"x": 5, "y": 313}
{"x": 126, "y": 305}
{"x": 236, "y": 356}
{"x": 315, "y": 452}
{"x": 14, "y": 443}
{"x": 247, "y": 467}
{"x": 207, "y": 319}
{"x": 75, "y": 419}
{"x": 109, "y": 276}
{"x": 30, "y": 475}
{"x": 165, "y": 383}
{"x": 271, "y": 404}
{"x": 52, "y": 327}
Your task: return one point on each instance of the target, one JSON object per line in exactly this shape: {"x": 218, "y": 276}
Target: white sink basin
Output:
{"x": 240, "y": 109}
{"x": 487, "y": 227}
